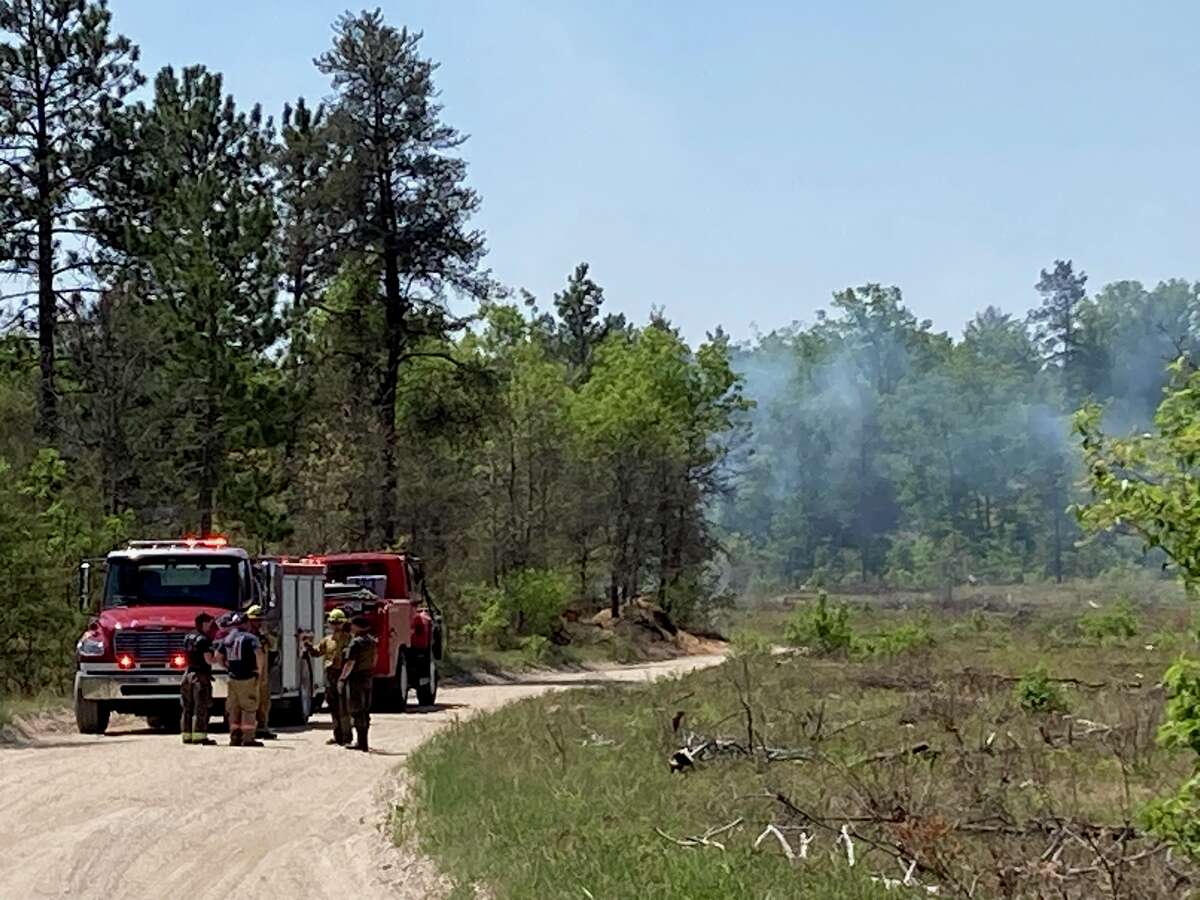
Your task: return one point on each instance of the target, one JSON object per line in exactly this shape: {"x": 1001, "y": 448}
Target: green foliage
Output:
{"x": 822, "y": 627}
{"x": 1036, "y": 693}
{"x": 537, "y": 598}
{"x": 1118, "y": 622}
{"x": 1181, "y": 724}
{"x": 1176, "y": 818}
{"x": 907, "y": 637}
{"x": 48, "y": 525}
{"x": 748, "y": 643}
{"x": 530, "y": 602}
{"x": 536, "y": 649}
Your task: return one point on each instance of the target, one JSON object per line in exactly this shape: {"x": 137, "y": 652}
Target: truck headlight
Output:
{"x": 90, "y": 645}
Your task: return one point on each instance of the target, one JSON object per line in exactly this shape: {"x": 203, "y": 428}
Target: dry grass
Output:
{"x": 928, "y": 760}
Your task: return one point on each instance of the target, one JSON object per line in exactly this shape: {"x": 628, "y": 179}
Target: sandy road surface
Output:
{"x": 136, "y": 815}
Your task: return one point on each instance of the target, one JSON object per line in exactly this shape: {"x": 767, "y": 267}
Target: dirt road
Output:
{"x": 136, "y": 814}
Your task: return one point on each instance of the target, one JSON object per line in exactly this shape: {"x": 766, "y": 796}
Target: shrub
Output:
{"x": 1035, "y": 692}
{"x": 748, "y": 643}
{"x": 535, "y": 649}
{"x": 1119, "y": 622}
{"x": 821, "y": 627}
{"x": 904, "y": 638}
{"x": 537, "y": 597}
{"x": 530, "y": 602}
{"x": 491, "y": 628}
{"x": 1176, "y": 818}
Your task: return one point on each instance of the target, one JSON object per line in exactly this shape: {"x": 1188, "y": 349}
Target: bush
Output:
{"x": 535, "y": 649}
{"x": 904, "y": 638}
{"x": 537, "y": 598}
{"x": 748, "y": 643}
{"x": 823, "y": 628}
{"x": 1035, "y": 692}
{"x": 1120, "y": 622}
{"x": 491, "y": 628}
{"x": 530, "y": 603}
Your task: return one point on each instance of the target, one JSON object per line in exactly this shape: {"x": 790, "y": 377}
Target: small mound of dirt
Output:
{"x": 649, "y": 631}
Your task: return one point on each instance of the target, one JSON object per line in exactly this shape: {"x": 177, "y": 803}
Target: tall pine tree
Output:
{"x": 404, "y": 203}
{"x": 61, "y": 69}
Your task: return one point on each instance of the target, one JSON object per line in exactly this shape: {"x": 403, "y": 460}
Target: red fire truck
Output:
{"x": 131, "y": 657}
{"x": 390, "y": 589}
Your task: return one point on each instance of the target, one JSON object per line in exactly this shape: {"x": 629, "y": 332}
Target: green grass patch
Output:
{"x": 571, "y": 795}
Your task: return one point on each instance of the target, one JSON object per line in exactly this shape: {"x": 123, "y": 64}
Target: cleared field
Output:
{"x": 1000, "y": 752}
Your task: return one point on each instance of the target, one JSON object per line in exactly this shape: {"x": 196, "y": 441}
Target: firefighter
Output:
{"x": 357, "y": 672}
{"x": 262, "y": 714}
{"x": 196, "y": 688}
{"x": 243, "y": 657}
{"x": 331, "y": 649}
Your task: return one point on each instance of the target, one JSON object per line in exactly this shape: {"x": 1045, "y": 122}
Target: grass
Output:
{"x": 928, "y": 755}
{"x": 23, "y": 707}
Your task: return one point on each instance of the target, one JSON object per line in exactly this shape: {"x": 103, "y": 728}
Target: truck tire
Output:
{"x": 401, "y": 682}
{"x": 164, "y": 723}
{"x": 91, "y": 716}
{"x": 426, "y": 678}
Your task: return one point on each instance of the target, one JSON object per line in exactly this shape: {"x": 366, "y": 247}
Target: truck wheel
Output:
{"x": 426, "y": 678}
{"x": 91, "y": 717}
{"x": 401, "y": 682}
{"x": 164, "y": 724}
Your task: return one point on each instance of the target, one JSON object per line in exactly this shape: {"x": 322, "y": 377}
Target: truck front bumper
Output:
{"x": 102, "y": 681}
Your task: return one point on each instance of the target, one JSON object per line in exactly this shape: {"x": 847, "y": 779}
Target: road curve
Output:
{"x": 137, "y": 815}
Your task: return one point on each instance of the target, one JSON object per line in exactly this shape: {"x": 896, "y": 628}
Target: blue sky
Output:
{"x": 735, "y": 163}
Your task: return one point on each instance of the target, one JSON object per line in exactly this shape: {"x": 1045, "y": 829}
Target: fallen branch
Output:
{"x": 703, "y": 840}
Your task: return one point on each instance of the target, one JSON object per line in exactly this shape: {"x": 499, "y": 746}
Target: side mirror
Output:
{"x": 85, "y": 585}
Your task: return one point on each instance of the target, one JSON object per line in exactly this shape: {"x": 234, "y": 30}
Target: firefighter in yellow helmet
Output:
{"x": 331, "y": 650}
{"x": 262, "y": 716}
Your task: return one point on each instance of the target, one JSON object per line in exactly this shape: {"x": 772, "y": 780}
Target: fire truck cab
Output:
{"x": 131, "y": 660}
{"x": 390, "y": 589}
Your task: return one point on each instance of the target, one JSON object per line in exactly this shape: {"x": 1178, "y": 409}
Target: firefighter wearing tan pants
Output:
{"x": 262, "y": 712}
{"x": 243, "y": 657}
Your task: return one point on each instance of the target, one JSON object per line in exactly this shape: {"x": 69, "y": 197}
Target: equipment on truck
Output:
{"x": 390, "y": 589}
{"x": 131, "y": 658}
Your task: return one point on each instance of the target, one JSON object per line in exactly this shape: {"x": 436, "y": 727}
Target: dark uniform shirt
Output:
{"x": 195, "y": 645}
{"x": 361, "y": 651}
{"x": 240, "y": 649}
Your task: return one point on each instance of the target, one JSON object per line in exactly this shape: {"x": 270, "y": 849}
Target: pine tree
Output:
{"x": 61, "y": 70}
{"x": 1056, "y": 322}
{"x": 188, "y": 225}
{"x": 581, "y": 328}
{"x": 404, "y": 203}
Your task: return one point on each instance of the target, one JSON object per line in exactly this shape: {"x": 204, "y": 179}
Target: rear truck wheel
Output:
{"x": 400, "y": 691}
{"x": 426, "y": 677}
{"x": 91, "y": 716}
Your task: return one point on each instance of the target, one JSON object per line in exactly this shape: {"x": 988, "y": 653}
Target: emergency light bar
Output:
{"x": 213, "y": 542}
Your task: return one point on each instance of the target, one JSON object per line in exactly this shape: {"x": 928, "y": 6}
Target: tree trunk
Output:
{"x": 47, "y": 419}
{"x": 395, "y": 316}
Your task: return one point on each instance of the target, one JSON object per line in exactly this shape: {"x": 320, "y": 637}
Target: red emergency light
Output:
{"x": 178, "y": 661}
{"x": 124, "y": 661}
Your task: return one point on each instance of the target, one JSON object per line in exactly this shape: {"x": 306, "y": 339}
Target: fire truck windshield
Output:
{"x": 173, "y": 580}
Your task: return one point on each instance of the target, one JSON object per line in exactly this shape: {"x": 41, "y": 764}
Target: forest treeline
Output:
{"x": 280, "y": 326}
{"x": 885, "y": 452}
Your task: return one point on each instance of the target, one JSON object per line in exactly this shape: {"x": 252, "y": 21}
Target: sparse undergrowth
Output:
{"x": 936, "y": 757}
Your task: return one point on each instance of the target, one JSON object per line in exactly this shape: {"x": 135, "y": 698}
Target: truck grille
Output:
{"x": 149, "y": 645}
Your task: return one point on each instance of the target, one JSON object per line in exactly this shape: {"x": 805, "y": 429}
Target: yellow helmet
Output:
{"x": 336, "y": 615}
{"x": 254, "y": 612}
